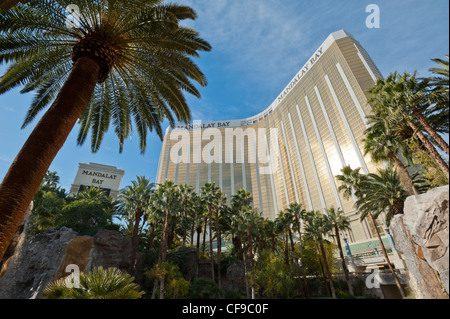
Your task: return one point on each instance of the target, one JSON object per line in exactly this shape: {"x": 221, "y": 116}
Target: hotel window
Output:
{"x": 379, "y": 226}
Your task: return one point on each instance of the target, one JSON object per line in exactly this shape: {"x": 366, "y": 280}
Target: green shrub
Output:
{"x": 176, "y": 287}
{"x": 231, "y": 294}
{"x": 203, "y": 288}
{"x": 341, "y": 294}
{"x": 111, "y": 283}
{"x": 84, "y": 216}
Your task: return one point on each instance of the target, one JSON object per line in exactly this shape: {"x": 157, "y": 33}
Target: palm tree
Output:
{"x": 298, "y": 215}
{"x": 200, "y": 211}
{"x": 8, "y": 4}
{"x": 136, "y": 203}
{"x": 239, "y": 202}
{"x": 51, "y": 179}
{"x": 382, "y": 193}
{"x": 439, "y": 94}
{"x": 383, "y": 145}
{"x": 413, "y": 93}
{"x": 442, "y": 73}
{"x": 221, "y": 209}
{"x": 338, "y": 222}
{"x": 210, "y": 194}
{"x": 188, "y": 219}
{"x": 375, "y": 194}
{"x": 404, "y": 99}
{"x": 270, "y": 234}
{"x": 165, "y": 199}
{"x": 117, "y": 62}
{"x": 350, "y": 180}
{"x": 249, "y": 224}
{"x": 316, "y": 227}
{"x": 111, "y": 283}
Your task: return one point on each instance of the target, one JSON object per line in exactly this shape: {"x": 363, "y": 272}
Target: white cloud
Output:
{"x": 6, "y": 108}
{"x": 261, "y": 37}
{"x": 5, "y": 159}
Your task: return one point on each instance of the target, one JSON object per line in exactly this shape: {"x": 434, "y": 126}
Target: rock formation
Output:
{"x": 48, "y": 257}
{"x": 422, "y": 237}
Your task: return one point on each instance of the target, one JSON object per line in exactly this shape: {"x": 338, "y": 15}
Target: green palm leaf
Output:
{"x": 151, "y": 69}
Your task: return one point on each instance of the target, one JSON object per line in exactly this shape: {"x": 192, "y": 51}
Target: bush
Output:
{"x": 111, "y": 283}
{"x": 84, "y": 216}
{"x": 180, "y": 257}
{"x": 340, "y": 294}
{"x": 203, "y": 288}
{"x": 231, "y": 294}
{"x": 176, "y": 287}
{"x": 276, "y": 279}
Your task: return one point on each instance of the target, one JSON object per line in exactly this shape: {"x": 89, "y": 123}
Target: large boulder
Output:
{"x": 47, "y": 257}
{"x": 34, "y": 264}
{"x": 422, "y": 237}
{"x": 111, "y": 249}
{"x": 236, "y": 276}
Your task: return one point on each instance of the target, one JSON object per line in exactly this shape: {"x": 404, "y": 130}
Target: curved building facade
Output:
{"x": 292, "y": 151}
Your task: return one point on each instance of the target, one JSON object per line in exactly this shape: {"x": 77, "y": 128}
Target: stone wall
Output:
{"x": 44, "y": 258}
{"x": 422, "y": 237}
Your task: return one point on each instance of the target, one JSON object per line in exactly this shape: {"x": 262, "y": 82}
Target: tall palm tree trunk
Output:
{"x": 426, "y": 125}
{"x": 29, "y": 167}
{"x": 327, "y": 267}
{"x": 294, "y": 253}
{"x": 244, "y": 257}
{"x": 431, "y": 149}
{"x": 397, "y": 282}
{"x": 404, "y": 176}
{"x": 322, "y": 270}
{"x": 163, "y": 251}
{"x": 219, "y": 250}
{"x": 211, "y": 257}
{"x": 8, "y": 4}
{"x": 204, "y": 235}
{"x": 152, "y": 236}
{"x": 252, "y": 264}
{"x": 199, "y": 231}
{"x": 302, "y": 262}
{"x": 193, "y": 228}
{"x": 135, "y": 239}
{"x": 344, "y": 266}
{"x": 295, "y": 258}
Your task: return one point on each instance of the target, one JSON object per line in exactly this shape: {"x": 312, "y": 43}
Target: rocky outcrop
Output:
{"x": 422, "y": 237}
{"x": 34, "y": 264}
{"x": 111, "y": 249}
{"x": 48, "y": 257}
{"x": 236, "y": 276}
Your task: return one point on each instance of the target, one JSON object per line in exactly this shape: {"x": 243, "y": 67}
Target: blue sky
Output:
{"x": 258, "y": 47}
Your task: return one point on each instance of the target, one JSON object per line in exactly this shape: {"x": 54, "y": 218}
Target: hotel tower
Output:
{"x": 292, "y": 151}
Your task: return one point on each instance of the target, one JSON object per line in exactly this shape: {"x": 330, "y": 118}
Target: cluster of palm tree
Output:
{"x": 404, "y": 134}
{"x": 409, "y": 116}
{"x": 178, "y": 216}
{"x": 375, "y": 194}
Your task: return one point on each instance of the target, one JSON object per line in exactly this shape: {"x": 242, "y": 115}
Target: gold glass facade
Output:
{"x": 313, "y": 129}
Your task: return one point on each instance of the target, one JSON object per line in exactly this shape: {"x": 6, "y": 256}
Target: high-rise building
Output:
{"x": 292, "y": 151}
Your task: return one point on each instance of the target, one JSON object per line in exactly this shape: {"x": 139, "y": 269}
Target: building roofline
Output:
{"x": 333, "y": 37}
